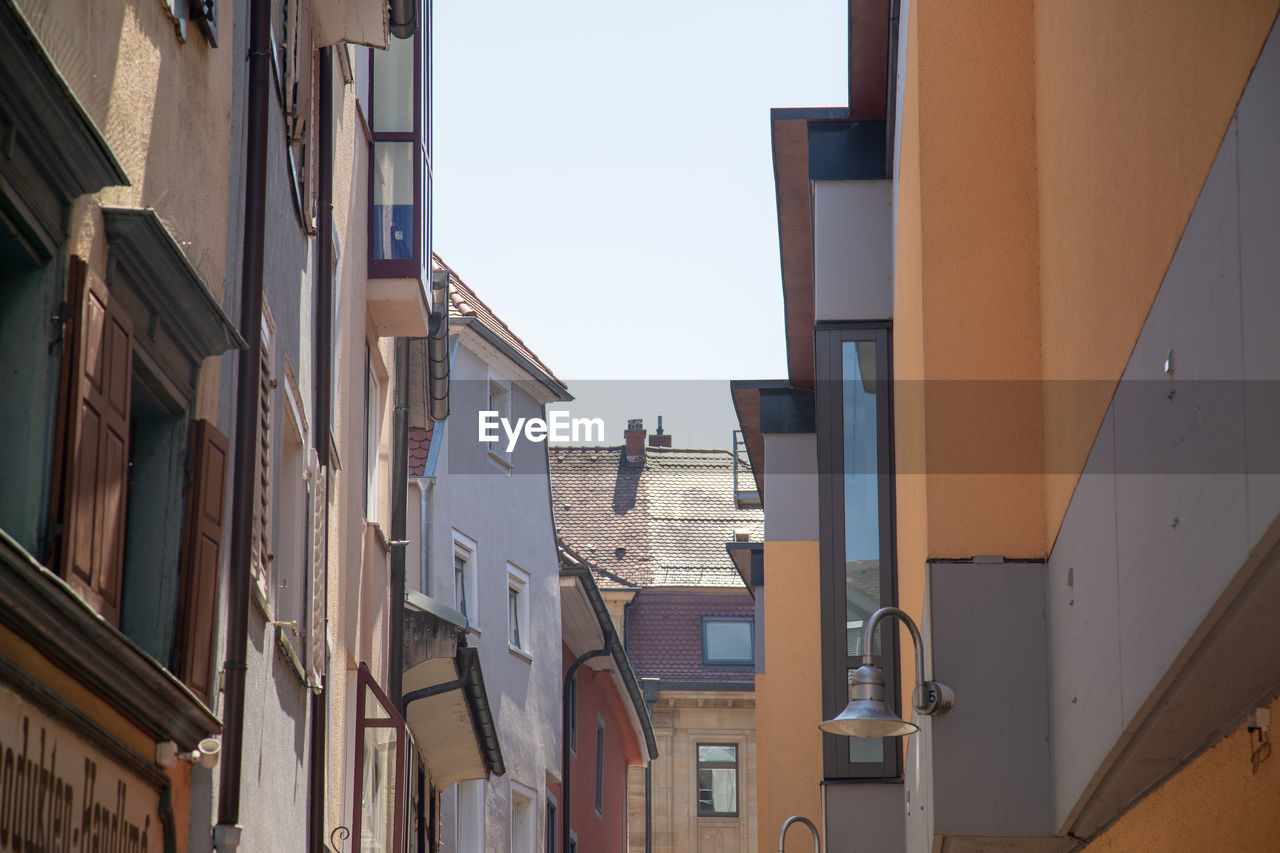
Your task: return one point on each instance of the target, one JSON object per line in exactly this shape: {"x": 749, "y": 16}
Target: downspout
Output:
{"x": 323, "y": 393}
{"x": 404, "y": 18}
{"x": 226, "y": 834}
{"x": 565, "y": 757}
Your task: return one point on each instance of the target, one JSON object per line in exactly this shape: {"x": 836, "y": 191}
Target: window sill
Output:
{"x": 519, "y": 652}
{"x": 502, "y": 461}
{"x": 287, "y": 650}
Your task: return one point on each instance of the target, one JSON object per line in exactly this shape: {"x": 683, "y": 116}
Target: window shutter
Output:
{"x": 97, "y": 445}
{"x": 316, "y": 634}
{"x": 202, "y": 557}
{"x": 262, "y": 486}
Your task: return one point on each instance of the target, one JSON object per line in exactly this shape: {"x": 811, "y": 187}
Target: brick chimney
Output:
{"x": 635, "y": 440}
{"x": 659, "y": 438}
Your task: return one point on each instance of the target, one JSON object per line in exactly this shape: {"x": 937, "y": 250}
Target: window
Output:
{"x": 470, "y": 828}
{"x": 372, "y": 428}
{"x": 856, "y": 531}
{"x": 464, "y": 577}
{"x": 717, "y": 780}
{"x": 291, "y": 564}
{"x": 728, "y": 641}
{"x": 500, "y": 402}
{"x": 523, "y": 822}
{"x": 599, "y": 765}
{"x": 518, "y": 609}
{"x": 380, "y": 773}
{"x": 551, "y": 825}
{"x": 400, "y": 159}
{"x": 291, "y": 27}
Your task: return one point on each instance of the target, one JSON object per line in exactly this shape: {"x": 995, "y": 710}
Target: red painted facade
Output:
{"x": 599, "y": 698}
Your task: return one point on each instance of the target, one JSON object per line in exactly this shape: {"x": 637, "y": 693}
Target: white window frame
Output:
{"x": 498, "y": 449}
{"x": 518, "y": 582}
{"x": 465, "y": 546}
{"x": 529, "y": 797}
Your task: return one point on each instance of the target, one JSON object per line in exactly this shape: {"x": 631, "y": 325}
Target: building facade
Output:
{"x": 483, "y": 545}
{"x": 1029, "y": 402}
{"x": 655, "y": 522}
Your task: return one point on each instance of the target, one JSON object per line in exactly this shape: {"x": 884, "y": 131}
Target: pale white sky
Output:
{"x": 603, "y": 179}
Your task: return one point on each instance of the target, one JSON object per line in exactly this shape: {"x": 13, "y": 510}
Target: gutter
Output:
{"x": 404, "y": 18}
{"x": 319, "y": 750}
{"x": 226, "y": 834}
{"x": 470, "y": 681}
{"x": 399, "y": 501}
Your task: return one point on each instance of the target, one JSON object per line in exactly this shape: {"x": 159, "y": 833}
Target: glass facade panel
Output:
{"x": 378, "y": 790}
{"x": 861, "y": 510}
{"x": 394, "y": 237}
{"x": 393, "y": 89}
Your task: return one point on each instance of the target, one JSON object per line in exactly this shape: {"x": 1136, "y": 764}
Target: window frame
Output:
{"x": 601, "y": 737}
{"x": 498, "y": 450}
{"x": 551, "y": 815}
{"x": 518, "y": 583}
{"x": 728, "y": 663}
{"x": 417, "y": 267}
{"x": 699, "y": 765}
{"x": 393, "y": 720}
{"x": 829, "y": 339}
{"x": 464, "y": 545}
{"x": 372, "y": 434}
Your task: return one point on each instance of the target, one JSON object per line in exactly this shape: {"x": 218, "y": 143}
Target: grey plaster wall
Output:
{"x": 791, "y": 487}
{"x": 990, "y": 753}
{"x": 508, "y": 514}
{"x": 865, "y": 817}
{"x": 853, "y": 250}
{"x": 1183, "y": 480}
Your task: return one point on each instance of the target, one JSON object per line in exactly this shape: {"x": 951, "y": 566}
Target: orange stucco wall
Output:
{"x": 1217, "y": 802}
{"x": 789, "y": 696}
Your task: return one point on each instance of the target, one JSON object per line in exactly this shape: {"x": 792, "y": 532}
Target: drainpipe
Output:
{"x": 323, "y": 392}
{"x": 404, "y": 18}
{"x": 226, "y": 834}
{"x": 565, "y": 757}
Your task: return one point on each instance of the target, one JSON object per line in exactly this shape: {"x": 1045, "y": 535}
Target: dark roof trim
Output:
{"x": 786, "y": 411}
{"x": 748, "y": 557}
{"x": 847, "y": 151}
{"x": 805, "y": 113}
{"x": 582, "y": 573}
{"x": 546, "y": 380}
{"x": 477, "y": 699}
{"x": 41, "y": 609}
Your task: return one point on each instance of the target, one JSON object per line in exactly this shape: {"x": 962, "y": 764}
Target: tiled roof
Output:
{"x": 419, "y": 447}
{"x": 660, "y": 523}
{"x": 463, "y": 302}
{"x": 664, "y": 634}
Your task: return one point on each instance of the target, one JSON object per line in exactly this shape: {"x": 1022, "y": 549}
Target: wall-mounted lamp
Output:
{"x": 868, "y": 714}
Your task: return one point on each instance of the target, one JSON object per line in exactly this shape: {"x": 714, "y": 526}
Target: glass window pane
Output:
{"x": 373, "y": 709}
{"x": 729, "y": 641}
{"x": 707, "y": 754}
{"x": 717, "y": 791}
{"x": 393, "y": 194}
{"x": 378, "y": 791}
{"x": 861, "y": 490}
{"x": 393, "y": 95}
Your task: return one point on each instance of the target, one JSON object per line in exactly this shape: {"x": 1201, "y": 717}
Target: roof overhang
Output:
{"x": 551, "y": 389}
{"x": 581, "y": 605}
{"x": 748, "y": 559}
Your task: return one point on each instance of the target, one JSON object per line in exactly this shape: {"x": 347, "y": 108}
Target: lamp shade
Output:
{"x": 868, "y": 714}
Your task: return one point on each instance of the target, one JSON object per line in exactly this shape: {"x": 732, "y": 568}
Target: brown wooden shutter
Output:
{"x": 97, "y": 447}
{"x": 316, "y": 640}
{"x": 202, "y": 558}
{"x": 262, "y": 555}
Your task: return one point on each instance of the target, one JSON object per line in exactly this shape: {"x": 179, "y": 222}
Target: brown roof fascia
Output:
{"x": 868, "y": 59}
{"x": 746, "y": 405}
{"x": 795, "y": 242}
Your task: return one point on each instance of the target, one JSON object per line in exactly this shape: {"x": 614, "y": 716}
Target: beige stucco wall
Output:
{"x": 681, "y": 720}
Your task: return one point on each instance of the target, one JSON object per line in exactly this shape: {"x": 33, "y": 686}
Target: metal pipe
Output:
{"x": 226, "y": 835}
{"x": 438, "y": 367}
{"x": 565, "y": 757}
{"x": 323, "y": 392}
{"x": 870, "y": 629}
{"x": 795, "y": 818}
{"x": 399, "y": 505}
{"x": 404, "y": 18}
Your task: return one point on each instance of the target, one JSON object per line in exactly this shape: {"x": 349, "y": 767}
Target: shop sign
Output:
{"x": 60, "y": 794}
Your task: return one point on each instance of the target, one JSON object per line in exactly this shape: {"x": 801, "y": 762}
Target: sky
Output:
{"x": 603, "y": 178}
